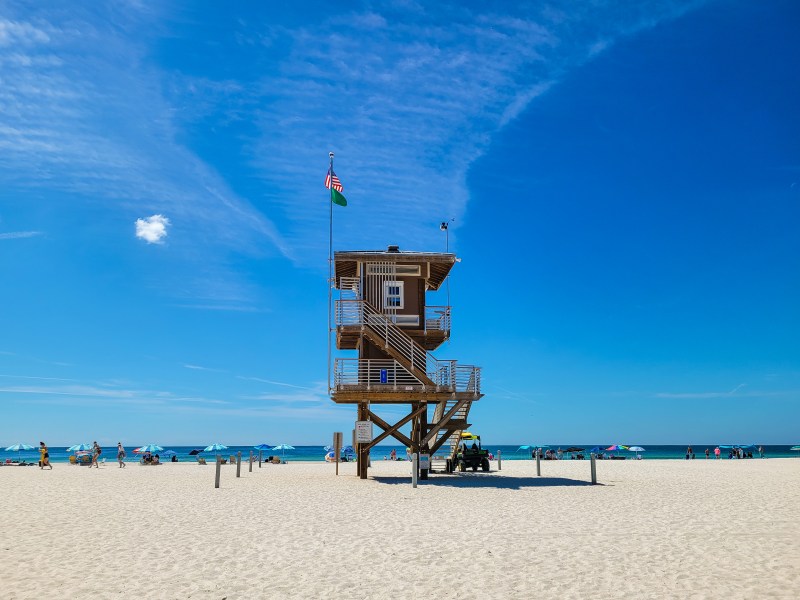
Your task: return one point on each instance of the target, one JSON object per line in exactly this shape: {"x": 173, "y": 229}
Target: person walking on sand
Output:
{"x": 120, "y": 455}
{"x": 44, "y": 456}
{"x": 707, "y": 453}
{"x": 96, "y": 451}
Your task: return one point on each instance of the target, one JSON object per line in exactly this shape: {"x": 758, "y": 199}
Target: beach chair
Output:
{"x": 232, "y": 460}
{"x": 73, "y": 460}
{"x": 276, "y": 460}
{"x": 201, "y": 460}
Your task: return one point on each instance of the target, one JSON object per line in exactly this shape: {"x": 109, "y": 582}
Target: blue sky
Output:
{"x": 624, "y": 184}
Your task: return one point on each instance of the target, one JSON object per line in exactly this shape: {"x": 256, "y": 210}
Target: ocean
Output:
{"x": 317, "y": 453}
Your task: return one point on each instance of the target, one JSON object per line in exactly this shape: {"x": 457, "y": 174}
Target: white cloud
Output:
{"x": 17, "y": 235}
{"x": 153, "y": 229}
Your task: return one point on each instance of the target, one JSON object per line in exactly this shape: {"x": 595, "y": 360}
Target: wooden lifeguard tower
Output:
{"x": 382, "y": 314}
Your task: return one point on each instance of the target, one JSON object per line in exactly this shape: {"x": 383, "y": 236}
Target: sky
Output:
{"x": 622, "y": 183}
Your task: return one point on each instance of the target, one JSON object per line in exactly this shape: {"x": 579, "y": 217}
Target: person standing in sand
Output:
{"x": 96, "y": 451}
{"x": 120, "y": 455}
{"x": 44, "y": 456}
{"x": 707, "y": 453}
{"x": 716, "y": 453}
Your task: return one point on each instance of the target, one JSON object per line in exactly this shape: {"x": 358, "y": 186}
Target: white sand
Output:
{"x": 654, "y": 529}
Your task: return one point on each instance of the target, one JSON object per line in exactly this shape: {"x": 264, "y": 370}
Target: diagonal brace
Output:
{"x": 443, "y": 421}
{"x": 393, "y": 429}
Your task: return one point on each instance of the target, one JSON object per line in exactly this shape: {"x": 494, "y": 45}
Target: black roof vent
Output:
{"x": 393, "y": 249}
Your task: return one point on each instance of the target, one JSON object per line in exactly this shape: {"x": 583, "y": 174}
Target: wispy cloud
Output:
{"x": 736, "y": 392}
{"x": 408, "y": 96}
{"x": 17, "y": 235}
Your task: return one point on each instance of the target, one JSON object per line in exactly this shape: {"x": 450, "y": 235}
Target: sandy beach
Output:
{"x": 652, "y": 529}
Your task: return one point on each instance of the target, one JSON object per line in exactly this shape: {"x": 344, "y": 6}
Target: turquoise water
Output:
{"x": 317, "y": 453}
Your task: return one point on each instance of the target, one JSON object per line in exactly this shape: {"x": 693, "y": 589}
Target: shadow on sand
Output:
{"x": 484, "y": 480}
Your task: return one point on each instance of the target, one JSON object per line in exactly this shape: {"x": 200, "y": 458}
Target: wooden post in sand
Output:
{"x": 414, "y": 469}
{"x": 593, "y": 468}
{"x": 239, "y": 463}
{"x": 219, "y": 468}
{"x": 538, "y": 462}
{"x": 259, "y": 458}
{"x": 337, "y": 448}
{"x": 499, "y": 460}
{"x": 251, "y": 461}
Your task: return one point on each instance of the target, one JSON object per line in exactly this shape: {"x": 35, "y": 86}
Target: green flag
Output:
{"x": 338, "y": 198}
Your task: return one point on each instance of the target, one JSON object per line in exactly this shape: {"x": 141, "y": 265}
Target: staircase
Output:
{"x": 442, "y": 375}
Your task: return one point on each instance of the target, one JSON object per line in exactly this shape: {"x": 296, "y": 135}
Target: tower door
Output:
{"x": 382, "y": 289}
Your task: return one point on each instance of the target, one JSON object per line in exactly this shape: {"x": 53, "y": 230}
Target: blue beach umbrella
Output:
{"x": 262, "y": 447}
{"x": 151, "y": 448}
{"x": 283, "y": 448}
{"x": 170, "y": 453}
{"x": 79, "y": 447}
{"x": 215, "y": 448}
{"x": 18, "y": 448}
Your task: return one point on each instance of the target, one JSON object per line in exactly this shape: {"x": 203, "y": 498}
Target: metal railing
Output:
{"x": 437, "y": 318}
{"x": 373, "y": 373}
{"x": 445, "y": 374}
{"x": 360, "y": 312}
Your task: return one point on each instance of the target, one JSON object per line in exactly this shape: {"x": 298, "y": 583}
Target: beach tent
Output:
{"x": 524, "y": 448}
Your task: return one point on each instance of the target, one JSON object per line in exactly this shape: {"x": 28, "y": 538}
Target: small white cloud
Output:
{"x": 153, "y": 229}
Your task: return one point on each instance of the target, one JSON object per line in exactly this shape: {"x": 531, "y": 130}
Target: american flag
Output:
{"x": 332, "y": 178}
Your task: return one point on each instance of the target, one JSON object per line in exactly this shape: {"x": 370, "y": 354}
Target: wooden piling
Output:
{"x": 414, "y": 469}
{"x": 239, "y": 464}
{"x": 499, "y": 460}
{"x": 251, "y": 461}
{"x": 219, "y": 469}
{"x": 593, "y": 469}
{"x": 538, "y": 463}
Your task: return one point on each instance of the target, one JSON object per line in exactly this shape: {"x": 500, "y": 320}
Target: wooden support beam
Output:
{"x": 443, "y": 421}
{"x": 392, "y": 429}
{"x": 440, "y": 442}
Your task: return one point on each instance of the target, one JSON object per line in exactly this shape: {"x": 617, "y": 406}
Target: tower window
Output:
{"x": 393, "y": 294}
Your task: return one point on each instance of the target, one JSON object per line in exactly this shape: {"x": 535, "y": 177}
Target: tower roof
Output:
{"x": 346, "y": 262}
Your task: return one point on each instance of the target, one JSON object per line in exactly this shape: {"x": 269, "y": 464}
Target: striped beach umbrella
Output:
{"x": 18, "y": 448}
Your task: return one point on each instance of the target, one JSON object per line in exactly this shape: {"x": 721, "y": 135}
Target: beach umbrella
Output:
{"x": 574, "y": 449}
{"x": 636, "y": 449}
{"x": 18, "y": 448}
{"x": 262, "y": 447}
{"x": 595, "y": 450}
{"x": 524, "y": 448}
{"x": 283, "y": 448}
{"x": 616, "y": 447}
{"x": 170, "y": 453}
{"x": 79, "y": 447}
{"x": 151, "y": 448}
{"x": 795, "y": 448}
{"x": 195, "y": 452}
{"x": 215, "y": 448}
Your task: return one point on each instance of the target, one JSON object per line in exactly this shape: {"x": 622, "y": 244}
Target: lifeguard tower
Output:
{"x": 382, "y": 314}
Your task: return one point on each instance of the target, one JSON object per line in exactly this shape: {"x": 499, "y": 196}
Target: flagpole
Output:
{"x": 330, "y": 268}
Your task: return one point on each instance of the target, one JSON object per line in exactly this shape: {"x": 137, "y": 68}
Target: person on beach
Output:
{"x": 96, "y": 451}
{"x": 761, "y": 451}
{"x": 120, "y": 455}
{"x": 688, "y": 453}
{"x": 44, "y": 456}
{"x": 707, "y": 453}
{"x": 716, "y": 453}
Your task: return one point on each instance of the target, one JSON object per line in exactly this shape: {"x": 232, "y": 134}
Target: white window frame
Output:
{"x": 386, "y": 295}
